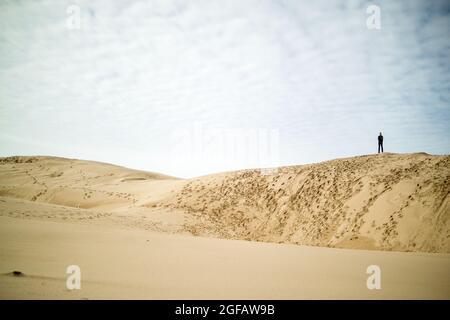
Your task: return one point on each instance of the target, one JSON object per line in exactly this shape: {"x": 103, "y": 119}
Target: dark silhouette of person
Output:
{"x": 380, "y": 143}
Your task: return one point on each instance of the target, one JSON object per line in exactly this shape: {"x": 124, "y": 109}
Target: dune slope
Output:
{"x": 385, "y": 202}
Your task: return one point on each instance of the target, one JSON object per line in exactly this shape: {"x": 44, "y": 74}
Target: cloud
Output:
{"x": 136, "y": 73}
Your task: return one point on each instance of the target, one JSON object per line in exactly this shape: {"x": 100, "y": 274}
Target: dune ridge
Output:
{"x": 384, "y": 202}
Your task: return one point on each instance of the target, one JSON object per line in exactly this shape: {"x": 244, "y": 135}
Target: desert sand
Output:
{"x": 298, "y": 232}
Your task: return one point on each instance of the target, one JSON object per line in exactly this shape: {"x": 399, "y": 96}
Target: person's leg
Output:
{"x": 379, "y": 147}
{"x": 382, "y": 148}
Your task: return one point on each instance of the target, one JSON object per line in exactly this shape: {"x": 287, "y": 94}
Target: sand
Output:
{"x": 133, "y": 264}
{"x": 299, "y": 232}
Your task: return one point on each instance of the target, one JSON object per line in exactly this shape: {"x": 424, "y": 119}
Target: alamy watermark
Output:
{"x": 73, "y": 19}
{"x": 74, "y": 279}
{"x": 373, "y": 21}
{"x": 226, "y": 148}
{"x": 374, "y": 280}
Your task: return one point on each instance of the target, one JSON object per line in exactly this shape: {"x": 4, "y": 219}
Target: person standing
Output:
{"x": 380, "y": 143}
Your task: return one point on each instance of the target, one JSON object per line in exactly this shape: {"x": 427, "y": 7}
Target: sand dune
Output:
{"x": 386, "y": 202}
{"x": 131, "y": 231}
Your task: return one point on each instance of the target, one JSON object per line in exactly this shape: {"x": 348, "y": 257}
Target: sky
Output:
{"x": 189, "y": 88}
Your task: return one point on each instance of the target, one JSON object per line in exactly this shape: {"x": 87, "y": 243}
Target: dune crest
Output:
{"x": 385, "y": 202}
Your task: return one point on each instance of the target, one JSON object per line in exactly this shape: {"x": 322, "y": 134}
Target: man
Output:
{"x": 380, "y": 143}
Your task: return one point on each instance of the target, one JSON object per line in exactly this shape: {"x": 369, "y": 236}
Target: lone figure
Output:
{"x": 380, "y": 143}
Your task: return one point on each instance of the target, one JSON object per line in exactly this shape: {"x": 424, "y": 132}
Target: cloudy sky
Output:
{"x": 188, "y": 88}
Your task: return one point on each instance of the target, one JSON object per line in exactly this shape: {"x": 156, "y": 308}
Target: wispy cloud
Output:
{"x": 136, "y": 72}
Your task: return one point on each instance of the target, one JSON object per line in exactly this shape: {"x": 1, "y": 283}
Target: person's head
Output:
{"x": 380, "y": 134}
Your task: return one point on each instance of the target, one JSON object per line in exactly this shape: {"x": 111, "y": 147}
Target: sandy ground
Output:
{"x": 296, "y": 232}
{"x": 117, "y": 263}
